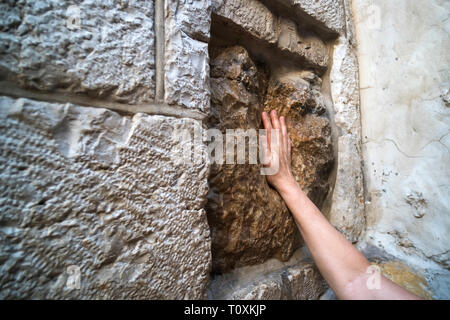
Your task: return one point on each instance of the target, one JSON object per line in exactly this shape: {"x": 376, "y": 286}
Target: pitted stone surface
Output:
{"x": 186, "y": 58}
{"x": 88, "y": 188}
{"x": 329, "y": 12}
{"x": 255, "y": 19}
{"x": 296, "y": 96}
{"x": 249, "y": 221}
{"x": 101, "y": 49}
{"x": 347, "y": 211}
{"x": 301, "y": 281}
{"x": 251, "y": 15}
{"x": 193, "y": 17}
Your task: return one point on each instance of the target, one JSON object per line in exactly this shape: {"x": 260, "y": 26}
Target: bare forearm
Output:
{"x": 338, "y": 260}
{"x": 340, "y": 263}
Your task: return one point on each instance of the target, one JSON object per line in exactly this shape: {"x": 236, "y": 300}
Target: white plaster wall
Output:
{"x": 403, "y": 52}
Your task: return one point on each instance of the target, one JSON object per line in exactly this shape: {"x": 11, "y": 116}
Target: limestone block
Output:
{"x": 301, "y": 281}
{"x": 330, "y": 12}
{"x": 311, "y": 48}
{"x": 102, "y": 49}
{"x": 186, "y": 58}
{"x": 347, "y": 211}
{"x": 193, "y": 17}
{"x": 251, "y": 15}
{"x": 250, "y": 223}
{"x": 255, "y": 19}
{"x": 94, "y": 206}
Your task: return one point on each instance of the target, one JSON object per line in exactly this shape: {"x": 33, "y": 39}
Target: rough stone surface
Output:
{"x": 193, "y": 17}
{"x": 296, "y": 96}
{"x": 301, "y": 281}
{"x": 88, "y": 188}
{"x": 253, "y": 18}
{"x": 311, "y": 48}
{"x": 249, "y": 221}
{"x": 101, "y": 49}
{"x": 347, "y": 211}
{"x": 251, "y": 15}
{"x": 329, "y": 12}
{"x": 186, "y": 59}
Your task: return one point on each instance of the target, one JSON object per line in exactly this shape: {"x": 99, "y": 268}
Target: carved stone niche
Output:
{"x": 249, "y": 221}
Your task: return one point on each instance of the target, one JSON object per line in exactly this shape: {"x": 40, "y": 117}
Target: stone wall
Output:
{"x": 297, "y": 57}
{"x": 95, "y": 202}
{"x": 405, "y": 78}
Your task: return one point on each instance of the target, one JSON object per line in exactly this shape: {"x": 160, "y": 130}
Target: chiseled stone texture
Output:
{"x": 90, "y": 188}
{"x": 347, "y": 211}
{"x": 329, "y": 12}
{"x": 186, "y": 58}
{"x": 102, "y": 49}
{"x": 301, "y": 281}
{"x": 252, "y": 17}
{"x": 250, "y": 223}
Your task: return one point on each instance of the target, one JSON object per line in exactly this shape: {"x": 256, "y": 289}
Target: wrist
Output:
{"x": 288, "y": 186}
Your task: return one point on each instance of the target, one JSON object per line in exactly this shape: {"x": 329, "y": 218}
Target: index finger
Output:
{"x": 266, "y": 121}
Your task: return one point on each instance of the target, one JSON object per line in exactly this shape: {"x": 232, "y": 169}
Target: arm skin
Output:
{"x": 340, "y": 263}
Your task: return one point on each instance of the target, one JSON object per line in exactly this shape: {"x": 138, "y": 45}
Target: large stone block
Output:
{"x": 193, "y": 17}
{"x": 251, "y": 15}
{"x": 89, "y": 195}
{"x": 104, "y": 49}
{"x": 347, "y": 210}
{"x": 330, "y": 13}
{"x": 256, "y": 20}
{"x": 250, "y": 222}
{"x": 186, "y": 58}
{"x": 301, "y": 281}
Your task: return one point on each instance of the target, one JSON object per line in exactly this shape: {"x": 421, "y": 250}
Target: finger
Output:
{"x": 266, "y": 121}
{"x": 284, "y": 133}
{"x": 289, "y": 147}
{"x": 268, "y": 126}
{"x": 275, "y": 121}
{"x": 264, "y": 153}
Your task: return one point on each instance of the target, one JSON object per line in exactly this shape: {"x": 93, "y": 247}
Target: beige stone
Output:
{"x": 102, "y": 51}
{"x": 249, "y": 221}
{"x": 300, "y": 281}
{"x": 91, "y": 194}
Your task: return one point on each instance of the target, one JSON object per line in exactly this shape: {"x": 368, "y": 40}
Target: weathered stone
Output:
{"x": 347, "y": 211}
{"x": 253, "y": 18}
{"x": 249, "y": 221}
{"x": 404, "y": 64}
{"x": 87, "y": 190}
{"x": 329, "y": 12}
{"x": 193, "y": 17}
{"x": 251, "y": 15}
{"x": 301, "y": 281}
{"x": 296, "y": 96}
{"x": 186, "y": 79}
{"x": 311, "y": 48}
{"x": 104, "y": 50}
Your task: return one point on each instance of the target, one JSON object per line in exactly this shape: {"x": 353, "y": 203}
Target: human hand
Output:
{"x": 277, "y": 150}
